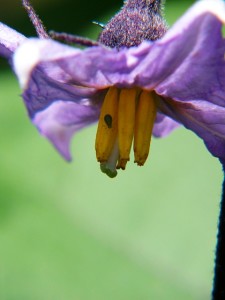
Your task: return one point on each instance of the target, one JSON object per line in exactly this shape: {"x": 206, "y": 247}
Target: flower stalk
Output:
{"x": 218, "y": 292}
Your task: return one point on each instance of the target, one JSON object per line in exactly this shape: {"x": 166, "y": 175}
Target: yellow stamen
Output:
{"x": 126, "y": 114}
{"x": 145, "y": 117}
{"x": 107, "y": 125}
{"x": 126, "y": 120}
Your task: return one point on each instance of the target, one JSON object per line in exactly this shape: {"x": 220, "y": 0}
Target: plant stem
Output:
{"x": 218, "y": 292}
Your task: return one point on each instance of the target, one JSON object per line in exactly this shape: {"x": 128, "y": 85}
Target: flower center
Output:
{"x": 127, "y": 115}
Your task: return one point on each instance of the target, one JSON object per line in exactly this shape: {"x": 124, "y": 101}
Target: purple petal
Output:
{"x": 201, "y": 73}
{"x": 61, "y": 120}
{"x": 35, "y": 52}
{"x": 95, "y": 67}
{"x": 43, "y": 91}
{"x": 9, "y": 40}
{"x": 57, "y": 105}
{"x": 164, "y": 125}
{"x": 204, "y": 118}
{"x": 195, "y": 91}
{"x": 194, "y": 44}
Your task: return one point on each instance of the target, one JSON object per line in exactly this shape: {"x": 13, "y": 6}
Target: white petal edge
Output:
{"x": 10, "y": 38}
{"x": 35, "y": 51}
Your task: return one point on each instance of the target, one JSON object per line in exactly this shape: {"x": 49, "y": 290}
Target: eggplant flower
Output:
{"x": 132, "y": 88}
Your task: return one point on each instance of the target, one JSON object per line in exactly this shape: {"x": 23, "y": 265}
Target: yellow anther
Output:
{"x": 145, "y": 117}
{"x": 126, "y": 115}
{"x": 126, "y": 120}
{"x": 107, "y": 125}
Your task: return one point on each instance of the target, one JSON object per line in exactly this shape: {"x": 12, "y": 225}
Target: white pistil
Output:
{"x": 109, "y": 167}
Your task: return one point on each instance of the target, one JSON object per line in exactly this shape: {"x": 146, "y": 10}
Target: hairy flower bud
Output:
{"x": 137, "y": 21}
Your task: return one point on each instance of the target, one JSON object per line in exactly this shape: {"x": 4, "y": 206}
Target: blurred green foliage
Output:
{"x": 69, "y": 232}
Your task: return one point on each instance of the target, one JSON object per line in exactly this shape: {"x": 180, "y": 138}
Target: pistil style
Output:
{"x": 109, "y": 167}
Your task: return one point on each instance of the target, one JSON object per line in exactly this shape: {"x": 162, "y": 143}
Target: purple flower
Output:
{"x": 177, "y": 79}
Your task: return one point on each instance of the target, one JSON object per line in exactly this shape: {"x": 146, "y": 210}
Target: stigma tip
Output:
{"x": 109, "y": 172}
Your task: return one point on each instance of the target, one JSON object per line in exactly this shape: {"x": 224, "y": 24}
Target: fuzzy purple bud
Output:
{"x": 137, "y": 21}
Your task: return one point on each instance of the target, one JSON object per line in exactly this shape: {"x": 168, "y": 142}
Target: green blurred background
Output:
{"x": 69, "y": 232}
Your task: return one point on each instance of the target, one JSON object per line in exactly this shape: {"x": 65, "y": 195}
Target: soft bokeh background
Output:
{"x": 69, "y": 232}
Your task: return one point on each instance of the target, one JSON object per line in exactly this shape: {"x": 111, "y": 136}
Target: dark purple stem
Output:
{"x": 218, "y": 292}
{"x": 38, "y": 25}
{"x": 72, "y": 39}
